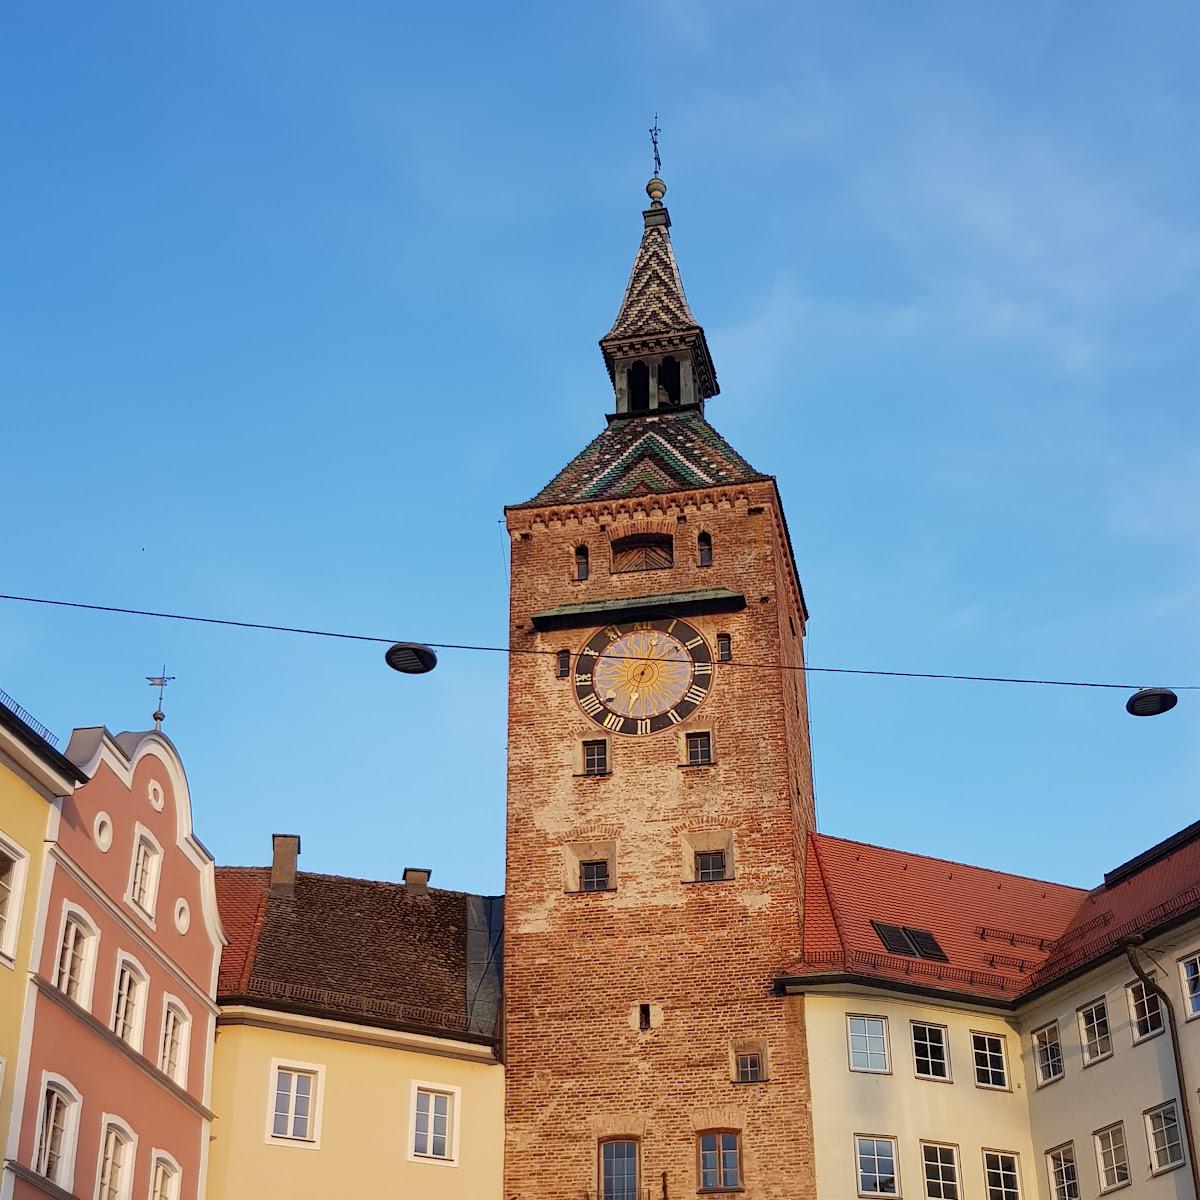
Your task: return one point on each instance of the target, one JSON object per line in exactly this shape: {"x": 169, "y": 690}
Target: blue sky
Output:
{"x": 297, "y": 296}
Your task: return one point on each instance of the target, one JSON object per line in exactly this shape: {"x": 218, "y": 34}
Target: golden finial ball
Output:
{"x": 656, "y": 189}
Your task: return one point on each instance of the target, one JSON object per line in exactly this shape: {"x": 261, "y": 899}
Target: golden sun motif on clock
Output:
{"x": 644, "y": 676}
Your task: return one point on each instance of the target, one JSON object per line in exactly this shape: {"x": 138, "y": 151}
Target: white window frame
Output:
{"x": 1191, "y": 1012}
{"x": 877, "y": 1137}
{"x": 140, "y": 995}
{"x": 1100, "y": 1168}
{"x": 1016, "y": 1161}
{"x": 1155, "y": 1168}
{"x": 958, "y": 1179}
{"x": 886, "y": 1069}
{"x": 1045, "y": 1080}
{"x": 143, "y": 837}
{"x": 169, "y": 1161}
{"x": 318, "y": 1103}
{"x": 16, "y": 899}
{"x": 455, "y": 1094}
{"x": 1006, "y": 1086}
{"x": 949, "y": 1075}
{"x": 91, "y": 947}
{"x": 1050, "y": 1171}
{"x": 70, "y": 1138}
{"x": 185, "y": 1038}
{"x": 1090, "y": 1060}
{"x": 112, "y": 1121}
{"x": 1138, "y": 986}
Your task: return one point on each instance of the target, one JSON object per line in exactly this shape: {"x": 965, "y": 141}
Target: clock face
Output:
{"x": 643, "y": 676}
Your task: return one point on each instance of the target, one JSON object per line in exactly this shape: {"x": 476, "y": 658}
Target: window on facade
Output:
{"x": 710, "y": 865}
{"x": 699, "y": 749}
{"x": 1093, "y": 1031}
{"x": 173, "y": 1042}
{"x": 639, "y": 393}
{"x": 876, "y": 1166}
{"x": 1190, "y": 969}
{"x": 433, "y": 1130}
{"x": 990, "y": 1067}
{"x": 595, "y": 758}
{"x": 724, "y": 648}
{"x": 115, "y": 1168}
{"x": 931, "y": 1054}
{"x": 72, "y": 960}
{"x": 619, "y": 1170}
{"x": 143, "y": 887}
{"x": 1164, "y": 1137}
{"x": 593, "y": 875}
{"x": 868, "y": 1043}
{"x": 562, "y": 666}
{"x": 1047, "y": 1053}
{"x": 129, "y": 1004}
{"x": 1001, "y": 1175}
{"x": 668, "y": 382}
{"x": 1145, "y": 1012}
{"x": 750, "y": 1067}
{"x": 941, "y": 1172}
{"x": 50, "y": 1160}
{"x": 8, "y": 879}
{"x": 704, "y": 550}
{"x": 720, "y": 1161}
{"x": 581, "y": 562}
{"x": 1112, "y": 1157}
{"x": 164, "y": 1181}
{"x": 1064, "y": 1178}
{"x": 295, "y": 1093}
{"x": 643, "y": 552}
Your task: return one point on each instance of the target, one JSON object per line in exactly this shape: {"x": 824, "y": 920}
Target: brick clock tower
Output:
{"x": 659, "y": 796}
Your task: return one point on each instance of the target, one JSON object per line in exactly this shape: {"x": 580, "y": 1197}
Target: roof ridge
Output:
{"x": 952, "y": 862}
{"x": 357, "y": 879}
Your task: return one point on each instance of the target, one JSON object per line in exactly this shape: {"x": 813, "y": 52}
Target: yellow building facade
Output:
{"x": 33, "y": 775}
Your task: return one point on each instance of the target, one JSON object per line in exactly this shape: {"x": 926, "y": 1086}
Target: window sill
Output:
{"x": 1091, "y": 1062}
{"x": 1149, "y": 1037}
{"x": 1116, "y": 1187}
{"x": 992, "y": 1087}
{"x": 275, "y": 1139}
{"x": 1156, "y": 1171}
{"x": 708, "y": 882}
{"x": 697, "y": 766}
{"x": 749, "y": 1082}
{"x": 1045, "y": 1083}
{"x": 590, "y": 891}
{"x": 941, "y": 1079}
{"x": 592, "y": 774}
{"x": 722, "y": 1191}
{"x": 7, "y": 960}
{"x": 433, "y": 1160}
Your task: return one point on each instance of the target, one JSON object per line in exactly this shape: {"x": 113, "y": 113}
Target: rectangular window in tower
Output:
{"x": 1001, "y": 1175}
{"x": 595, "y": 757}
{"x": 877, "y": 1166}
{"x": 720, "y": 1161}
{"x": 724, "y": 648}
{"x": 1165, "y": 1138}
{"x": 1145, "y": 1012}
{"x": 710, "y": 865}
{"x": 1064, "y": 1177}
{"x": 991, "y": 1067}
{"x": 433, "y": 1123}
{"x": 931, "y": 1051}
{"x": 593, "y": 875}
{"x": 619, "y": 1170}
{"x": 750, "y": 1067}
{"x": 941, "y": 1171}
{"x": 868, "y": 1044}
{"x": 1112, "y": 1157}
{"x": 295, "y": 1103}
{"x": 699, "y": 749}
{"x": 1047, "y": 1054}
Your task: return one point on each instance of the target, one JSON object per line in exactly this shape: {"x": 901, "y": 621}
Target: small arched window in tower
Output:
{"x": 639, "y": 387}
{"x": 581, "y": 562}
{"x": 643, "y": 552}
{"x": 563, "y": 664}
{"x": 668, "y": 382}
{"x": 724, "y": 648}
{"x": 704, "y": 550}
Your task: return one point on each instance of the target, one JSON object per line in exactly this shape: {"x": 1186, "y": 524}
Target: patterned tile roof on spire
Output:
{"x": 656, "y": 453}
{"x": 654, "y": 301}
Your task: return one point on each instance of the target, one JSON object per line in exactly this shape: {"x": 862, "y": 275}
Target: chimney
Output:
{"x": 416, "y": 881}
{"x": 285, "y": 849}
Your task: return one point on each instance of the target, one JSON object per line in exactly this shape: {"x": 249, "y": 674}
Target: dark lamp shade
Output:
{"x": 1149, "y": 702}
{"x": 410, "y": 658}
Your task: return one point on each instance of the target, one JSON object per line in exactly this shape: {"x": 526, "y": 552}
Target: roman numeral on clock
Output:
{"x": 583, "y": 680}
{"x": 696, "y": 694}
{"x": 614, "y": 721}
{"x": 675, "y": 717}
{"x": 643, "y": 725}
{"x": 696, "y": 641}
{"x": 700, "y": 669}
{"x": 590, "y": 704}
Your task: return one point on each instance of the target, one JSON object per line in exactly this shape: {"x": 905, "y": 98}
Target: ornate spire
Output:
{"x": 656, "y": 352}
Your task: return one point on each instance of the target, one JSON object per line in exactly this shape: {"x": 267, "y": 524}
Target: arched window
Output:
{"x": 129, "y": 1003}
{"x": 75, "y": 966}
{"x": 564, "y": 664}
{"x": 164, "y": 1179}
{"x": 54, "y": 1158}
{"x": 643, "y": 552}
{"x": 639, "y": 387}
{"x": 704, "y": 550}
{"x": 116, "y": 1164}
{"x": 668, "y": 382}
{"x": 173, "y": 1045}
{"x": 581, "y": 562}
{"x": 143, "y": 875}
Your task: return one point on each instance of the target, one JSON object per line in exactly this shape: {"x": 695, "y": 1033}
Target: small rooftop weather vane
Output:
{"x": 654, "y": 132}
{"x": 160, "y": 682}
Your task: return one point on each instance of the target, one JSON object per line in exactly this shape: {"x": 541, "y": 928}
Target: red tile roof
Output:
{"x": 1005, "y": 935}
{"x": 362, "y": 950}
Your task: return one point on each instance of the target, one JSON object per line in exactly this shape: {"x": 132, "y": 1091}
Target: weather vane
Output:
{"x": 654, "y": 132}
{"x": 160, "y": 682}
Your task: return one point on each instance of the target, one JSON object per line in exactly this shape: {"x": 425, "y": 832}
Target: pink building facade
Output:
{"x": 115, "y": 1065}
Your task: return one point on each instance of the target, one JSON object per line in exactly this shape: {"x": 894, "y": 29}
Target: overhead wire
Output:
{"x": 467, "y": 646}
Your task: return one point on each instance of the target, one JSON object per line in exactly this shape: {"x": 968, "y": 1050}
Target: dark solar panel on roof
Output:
{"x": 894, "y": 939}
{"x": 926, "y": 944}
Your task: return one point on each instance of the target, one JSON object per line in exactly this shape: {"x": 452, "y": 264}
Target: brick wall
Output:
{"x": 577, "y": 966}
